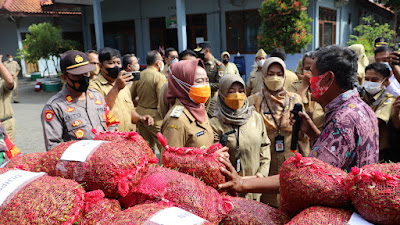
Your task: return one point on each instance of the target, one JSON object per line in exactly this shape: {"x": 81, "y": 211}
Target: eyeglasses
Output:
{"x": 173, "y": 57}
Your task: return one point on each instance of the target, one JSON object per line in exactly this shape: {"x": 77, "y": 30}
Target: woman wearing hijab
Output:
{"x": 274, "y": 103}
{"x": 186, "y": 123}
{"x": 362, "y": 61}
{"x": 243, "y": 129}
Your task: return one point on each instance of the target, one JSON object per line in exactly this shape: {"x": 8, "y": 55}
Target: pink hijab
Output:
{"x": 180, "y": 78}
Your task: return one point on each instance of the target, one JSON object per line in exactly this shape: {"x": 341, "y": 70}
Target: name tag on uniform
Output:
{"x": 198, "y": 134}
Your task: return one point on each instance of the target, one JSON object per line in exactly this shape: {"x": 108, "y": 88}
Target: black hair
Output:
{"x": 151, "y": 57}
{"x": 169, "y": 50}
{"x": 383, "y": 48}
{"x": 91, "y": 51}
{"x": 126, "y": 60}
{"x": 187, "y": 52}
{"x": 381, "y": 68}
{"x": 307, "y": 55}
{"x": 342, "y": 61}
{"x": 8, "y": 55}
{"x": 278, "y": 52}
{"x": 108, "y": 53}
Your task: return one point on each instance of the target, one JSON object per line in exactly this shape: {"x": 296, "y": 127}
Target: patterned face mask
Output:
{"x": 315, "y": 88}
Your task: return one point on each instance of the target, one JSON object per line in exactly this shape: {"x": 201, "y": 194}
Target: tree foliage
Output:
{"x": 395, "y": 6}
{"x": 285, "y": 24}
{"x": 45, "y": 41}
{"x": 368, "y": 32}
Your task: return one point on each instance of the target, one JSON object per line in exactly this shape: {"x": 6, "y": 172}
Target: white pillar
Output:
{"x": 98, "y": 24}
{"x": 20, "y": 46}
{"x": 181, "y": 19}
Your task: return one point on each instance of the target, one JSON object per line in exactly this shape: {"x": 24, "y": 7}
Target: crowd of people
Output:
{"x": 350, "y": 104}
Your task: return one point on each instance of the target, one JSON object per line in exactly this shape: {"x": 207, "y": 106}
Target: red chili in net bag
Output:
{"x": 141, "y": 215}
{"x": 200, "y": 163}
{"x": 307, "y": 181}
{"x": 98, "y": 208}
{"x": 132, "y": 139}
{"x": 375, "y": 192}
{"x": 321, "y": 215}
{"x": 246, "y": 211}
{"x": 111, "y": 167}
{"x": 44, "y": 200}
{"x": 182, "y": 190}
{"x": 30, "y": 162}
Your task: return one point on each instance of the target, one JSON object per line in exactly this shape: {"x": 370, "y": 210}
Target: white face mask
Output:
{"x": 372, "y": 87}
{"x": 135, "y": 67}
{"x": 260, "y": 63}
{"x": 10, "y": 59}
{"x": 174, "y": 61}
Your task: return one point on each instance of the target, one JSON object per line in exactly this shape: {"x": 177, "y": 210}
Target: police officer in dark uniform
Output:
{"x": 214, "y": 69}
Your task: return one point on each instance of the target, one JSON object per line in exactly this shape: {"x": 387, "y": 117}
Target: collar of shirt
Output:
{"x": 102, "y": 79}
{"x": 152, "y": 68}
{"x": 336, "y": 103}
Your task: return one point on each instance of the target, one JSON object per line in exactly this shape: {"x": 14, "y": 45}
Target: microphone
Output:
{"x": 296, "y": 127}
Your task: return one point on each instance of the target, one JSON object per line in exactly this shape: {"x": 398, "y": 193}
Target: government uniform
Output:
{"x": 313, "y": 108}
{"x": 290, "y": 79}
{"x": 123, "y": 105}
{"x": 255, "y": 81}
{"x": 230, "y": 68}
{"x": 13, "y": 67}
{"x": 6, "y": 111}
{"x": 163, "y": 104}
{"x": 148, "y": 90}
{"x": 382, "y": 104}
{"x": 181, "y": 129}
{"x": 277, "y": 158}
{"x": 65, "y": 118}
{"x": 254, "y": 146}
{"x": 214, "y": 72}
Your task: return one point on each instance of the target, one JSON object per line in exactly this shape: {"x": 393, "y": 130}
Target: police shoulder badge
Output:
{"x": 70, "y": 109}
{"x": 69, "y": 98}
{"x": 98, "y": 102}
{"x": 48, "y": 115}
{"x": 90, "y": 95}
{"x": 76, "y": 123}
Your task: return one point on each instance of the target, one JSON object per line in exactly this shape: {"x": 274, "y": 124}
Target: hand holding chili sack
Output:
{"x": 307, "y": 181}
{"x": 375, "y": 192}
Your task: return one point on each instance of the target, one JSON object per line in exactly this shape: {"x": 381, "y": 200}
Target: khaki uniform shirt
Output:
{"x": 299, "y": 67}
{"x": 12, "y": 67}
{"x": 65, "y": 118}
{"x": 123, "y": 105}
{"x": 255, "y": 81}
{"x": 5, "y": 101}
{"x": 230, "y": 68}
{"x": 383, "y": 111}
{"x": 277, "y": 158}
{"x": 290, "y": 79}
{"x": 254, "y": 144}
{"x": 181, "y": 129}
{"x": 148, "y": 90}
{"x": 214, "y": 72}
{"x": 313, "y": 108}
{"x": 163, "y": 104}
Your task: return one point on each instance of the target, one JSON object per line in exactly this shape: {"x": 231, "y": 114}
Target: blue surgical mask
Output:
{"x": 390, "y": 68}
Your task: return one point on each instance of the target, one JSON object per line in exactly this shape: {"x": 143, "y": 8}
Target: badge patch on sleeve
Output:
{"x": 198, "y": 134}
{"x": 220, "y": 73}
{"x": 79, "y": 133}
{"x": 98, "y": 102}
{"x": 48, "y": 115}
{"x": 76, "y": 123}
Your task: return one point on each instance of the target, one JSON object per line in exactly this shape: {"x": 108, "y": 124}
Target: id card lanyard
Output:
{"x": 237, "y": 159}
{"x": 279, "y": 140}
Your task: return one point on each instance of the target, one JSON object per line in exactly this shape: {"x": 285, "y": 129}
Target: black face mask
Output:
{"x": 113, "y": 72}
{"x": 80, "y": 85}
{"x": 225, "y": 61}
{"x": 201, "y": 55}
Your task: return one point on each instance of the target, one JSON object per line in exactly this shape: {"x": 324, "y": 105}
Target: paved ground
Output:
{"x": 29, "y": 136}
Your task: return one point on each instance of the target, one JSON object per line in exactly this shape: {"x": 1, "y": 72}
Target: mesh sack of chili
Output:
{"x": 98, "y": 208}
{"x": 246, "y": 211}
{"x": 375, "y": 192}
{"x": 321, "y": 215}
{"x": 307, "y": 181}
{"x": 132, "y": 139}
{"x": 142, "y": 214}
{"x": 30, "y": 162}
{"x": 200, "y": 163}
{"x": 184, "y": 191}
{"x": 40, "y": 200}
{"x": 111, "y": 167}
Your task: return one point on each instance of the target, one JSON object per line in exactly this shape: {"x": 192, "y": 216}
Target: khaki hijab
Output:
{"x": 362, "y": 61}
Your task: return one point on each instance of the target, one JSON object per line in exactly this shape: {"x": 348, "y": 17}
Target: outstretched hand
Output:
{"x": 235, "y": 182}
